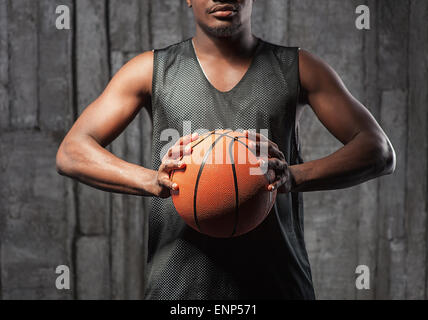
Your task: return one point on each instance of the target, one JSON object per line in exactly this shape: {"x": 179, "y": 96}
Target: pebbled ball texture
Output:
{"x": 222, "y": 190}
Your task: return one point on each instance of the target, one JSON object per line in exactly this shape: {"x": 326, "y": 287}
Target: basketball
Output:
{"x": 222, "y": 190}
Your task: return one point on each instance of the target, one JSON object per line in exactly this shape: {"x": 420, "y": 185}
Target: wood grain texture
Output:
{"x": 127, "y": 243}
{"x": 23, "y": 50}
{"x": 393, "y": 86}
{"x": 367, "y": 224}
{"x": 416, "y": 162}
{"x": 35, "y": 223}
{"x": 93, "y": 72}
{"x": 330, "y": 33}
{"x": 166, "y": 24}
{"x": 54, "y": 70}
{"x": 124, "y": 23}
{"x": 93, "y": 268}
{"x": 145, "y": 24}
{"x": 4, "y": 66}
{"x": 270, "y": 20}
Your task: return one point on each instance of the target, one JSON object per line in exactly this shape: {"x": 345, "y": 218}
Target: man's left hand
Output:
{"x": 283, "y": 180}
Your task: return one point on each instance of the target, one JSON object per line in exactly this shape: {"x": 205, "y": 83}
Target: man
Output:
{"x": 227, "y": 78}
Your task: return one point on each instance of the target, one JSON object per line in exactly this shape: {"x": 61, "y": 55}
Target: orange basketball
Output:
{"x": 222, "y": 190}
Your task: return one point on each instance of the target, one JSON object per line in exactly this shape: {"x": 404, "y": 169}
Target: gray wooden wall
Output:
{"x": 48, "y": 76}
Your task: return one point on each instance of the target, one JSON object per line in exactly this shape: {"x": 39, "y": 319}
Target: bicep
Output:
{"x": 336, "y": 108}
{"x": 106, "y": 117}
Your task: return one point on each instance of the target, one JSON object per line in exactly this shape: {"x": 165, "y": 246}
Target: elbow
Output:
{"x": 63, "y": 166}
{"x": 385, "y": 158}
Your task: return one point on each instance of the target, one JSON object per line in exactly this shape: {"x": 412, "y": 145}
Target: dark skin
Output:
{"x": 225, "y": 46}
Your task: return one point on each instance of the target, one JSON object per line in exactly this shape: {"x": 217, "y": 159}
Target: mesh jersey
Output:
{"x": 269, "y": 262}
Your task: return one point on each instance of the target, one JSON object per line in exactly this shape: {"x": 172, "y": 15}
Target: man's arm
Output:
{"x": 367, "y": 152}
{"x": 82, "y": 154}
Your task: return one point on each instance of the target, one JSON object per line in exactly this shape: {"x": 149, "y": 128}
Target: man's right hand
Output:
{"x": 172, "y": 161}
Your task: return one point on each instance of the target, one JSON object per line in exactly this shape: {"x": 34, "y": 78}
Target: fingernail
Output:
{"x": 174, "y": 186}
{"x": 187, "y": 149}
{"x": 195, "y": 135}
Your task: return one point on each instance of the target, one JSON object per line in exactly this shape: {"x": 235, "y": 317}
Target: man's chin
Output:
{"x": 224, "y": 30}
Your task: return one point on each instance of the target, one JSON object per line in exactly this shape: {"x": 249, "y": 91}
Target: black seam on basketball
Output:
{"x": 246, "y": 146}
{"x": 214, "y": 133}
{"x": 235, "y": 180}
{"x": 208, "y": 135}
{"x": 265, "y": 174}
{"x": 195, "y": 215}
{"x": 226, "y": 135}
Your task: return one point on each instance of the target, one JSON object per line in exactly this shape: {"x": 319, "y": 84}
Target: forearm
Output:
{"x": 365, "y": 157}
{"x": 91, "y": 164}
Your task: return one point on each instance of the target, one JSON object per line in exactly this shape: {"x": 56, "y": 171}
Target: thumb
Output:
{"x": 166, "y": 182}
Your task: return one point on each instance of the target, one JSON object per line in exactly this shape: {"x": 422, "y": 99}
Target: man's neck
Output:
{"x": 238, "y": 46}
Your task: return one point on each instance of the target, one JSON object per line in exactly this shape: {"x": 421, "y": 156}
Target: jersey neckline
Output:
{"x": 238, "y": 84}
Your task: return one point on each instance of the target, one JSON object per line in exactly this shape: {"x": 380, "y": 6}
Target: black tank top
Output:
{"x": 269, "y": 262}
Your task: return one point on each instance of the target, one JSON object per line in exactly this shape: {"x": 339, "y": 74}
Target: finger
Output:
{"x": 166, "y": 182}
{"x": 252, "y": 135}
{"x": 178, "y": 151}
{"x": 277, "y": 164}
{"x": 278, "y": 183}
{"x": 169, "y": 165}
{"x": 184, "y": 140}
{"x": 271, "y": 148}
{"x": 187, "y": 139}
{"x": 263, "y": 164}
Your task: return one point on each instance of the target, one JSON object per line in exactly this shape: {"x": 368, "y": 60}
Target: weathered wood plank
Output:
{"x": 92, "y": 51}
{"x": 165, "y": 23}
{"x": 54, "y": 69}
{"x": 135, "y": 258}
{"x": 331, "y": 217}
{"x": 125, "y": 25}
{"x": 93, "y": 268}
{"x": 4, "y": 66}
{"x": 393, "y": 43}
{"x": 393, "y": 63}
{"x": 118, "y": 230}
{"x": 119, "y": 214}
{"x": 392, "y": 248}
{"x": 417, "y": 146}
{"x": 367, "y": 226}
{"x": 257, "y": 19}
{"x": 187, "y": 21}
{"x": 92, "y": 77}
{"x": 145, "y": 24}
{"x": 127, "y": 213}
{"x": 271, "y": 20}
{"x": 23, "y": 63}
{"x": 35, "y": 227}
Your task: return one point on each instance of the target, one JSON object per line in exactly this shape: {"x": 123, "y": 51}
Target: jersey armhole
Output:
{"x": 298, "y": 159}
{"x": 154, "y": 78}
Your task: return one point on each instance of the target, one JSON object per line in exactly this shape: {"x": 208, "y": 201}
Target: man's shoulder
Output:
{"x": 287, "y": 56}
{"x": 174, "y": 47}
{"x": 279, "y": 47}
